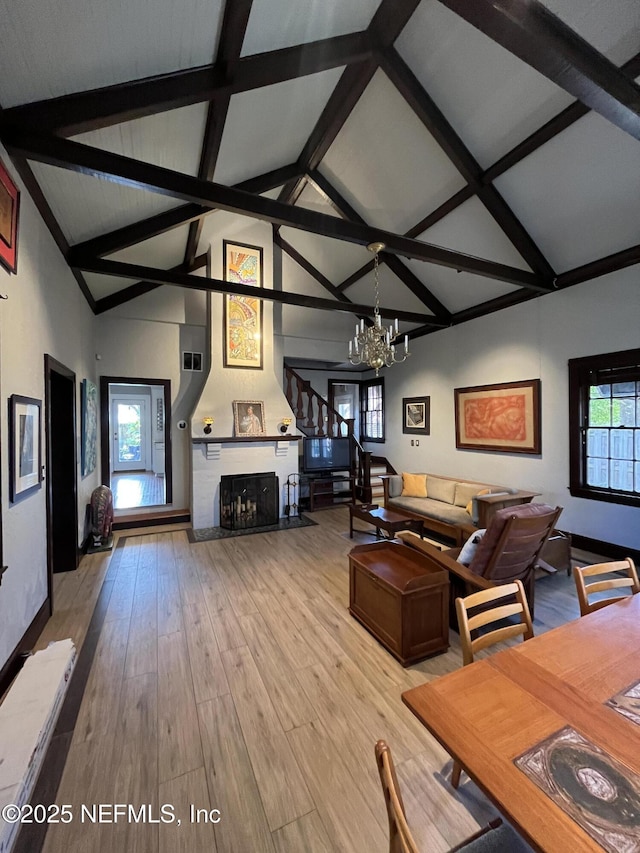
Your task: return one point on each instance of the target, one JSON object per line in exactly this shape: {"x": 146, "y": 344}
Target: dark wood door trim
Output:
{"x": 105, "y": 438}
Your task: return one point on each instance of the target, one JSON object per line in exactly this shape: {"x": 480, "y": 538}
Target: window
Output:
{"x": 372, "y": 410}
{"x": 604, "y": 418}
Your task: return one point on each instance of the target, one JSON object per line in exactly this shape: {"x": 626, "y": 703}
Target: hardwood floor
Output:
{"x": 229, "y": 675}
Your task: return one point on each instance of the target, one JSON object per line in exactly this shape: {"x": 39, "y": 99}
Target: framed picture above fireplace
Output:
{"x": 248, "y": 417}
{"x": 243, "y": 314}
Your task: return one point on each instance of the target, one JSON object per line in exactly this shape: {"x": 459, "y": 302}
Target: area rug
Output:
{"x": 206, "y": 534}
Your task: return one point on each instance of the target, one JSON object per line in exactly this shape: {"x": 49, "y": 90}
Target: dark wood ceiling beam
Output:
{"x": 118, "y": 269}
{"x": 552, "y": 128}
{"x": 433, "y": 119}
{"x": 406, "y": 276}
{"x": 142, "y": 287}
{"x": 365, "y": 269}
{"x": 124, "y": 170}
{"x": 85, "y": 111}
{"x": 531, "y": 32}
{"x": 121, "y": 238}
{"x": 234, "y": 27}
{"x": 34, "y": 190}
{"x": 603, "y": 266}
{"x": 440, "y": 212}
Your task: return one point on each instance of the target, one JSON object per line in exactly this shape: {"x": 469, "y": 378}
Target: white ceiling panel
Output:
{"x": 171, "y": 139}
{"x": 267, "y": 128}
{"x": 313, "y": 199}
{"x": 386, "y": 164}
{"x": 274, "y": 24}
{"x": 471, "y": 229}
{"x": 579, "y": 195}
{"x": 104, "y": 285}
{"x": 393, "y": 293}
{"x": 52, "y": 49}
{"x": 455, "y": 290}
{"x": 335, "y": 259}
{"x": 164, "y": 251}
{"x": 491, "y": 98}
{"x": 86, "y": 207}
{"x": 611, "y": 26}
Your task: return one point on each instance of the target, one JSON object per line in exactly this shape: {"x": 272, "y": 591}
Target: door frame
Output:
{"x": 52, "y": 365}
{"x": 105, "y": 433}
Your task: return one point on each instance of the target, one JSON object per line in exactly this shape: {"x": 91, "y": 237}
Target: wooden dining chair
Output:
{"x": 584, "y": 590}
{"x": 495, "y": 604}
{"x": 502, "y": 838}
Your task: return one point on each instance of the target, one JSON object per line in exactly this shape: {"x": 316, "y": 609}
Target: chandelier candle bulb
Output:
{"x": 396, "y": 325}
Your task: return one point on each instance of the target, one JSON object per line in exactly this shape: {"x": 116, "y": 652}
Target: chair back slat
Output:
{"x": 584, "y": 590}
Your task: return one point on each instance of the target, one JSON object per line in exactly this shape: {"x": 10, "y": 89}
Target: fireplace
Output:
{"x": 248, "y": 500}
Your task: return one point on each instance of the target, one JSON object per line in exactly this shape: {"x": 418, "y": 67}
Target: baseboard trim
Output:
{"x": 607, "y": 549}
{"x": 17, "y": 657}
{"x": 127, "y": 522}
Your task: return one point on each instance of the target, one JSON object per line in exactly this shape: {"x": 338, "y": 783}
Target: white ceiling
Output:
{"x": 577, "y": 196}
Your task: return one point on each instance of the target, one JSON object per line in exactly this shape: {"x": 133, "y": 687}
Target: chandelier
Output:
{"x": 375, "y": 345}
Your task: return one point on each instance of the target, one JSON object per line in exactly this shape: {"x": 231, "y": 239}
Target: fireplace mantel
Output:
{"x": 243, "y": 439}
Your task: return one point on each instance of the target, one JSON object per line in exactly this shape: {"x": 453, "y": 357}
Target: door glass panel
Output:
{"x": 129, "y": 420}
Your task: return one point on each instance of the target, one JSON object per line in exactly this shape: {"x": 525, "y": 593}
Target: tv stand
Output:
{"x": 326, "y": 490}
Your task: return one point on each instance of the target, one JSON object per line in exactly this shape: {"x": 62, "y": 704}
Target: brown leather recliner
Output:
{"x": 508, "y": 551}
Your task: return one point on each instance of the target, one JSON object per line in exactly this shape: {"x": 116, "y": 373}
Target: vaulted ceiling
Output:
{"x": 492, "y": 145}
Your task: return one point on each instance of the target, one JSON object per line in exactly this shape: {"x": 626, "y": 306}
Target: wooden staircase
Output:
{"x": 314, "y": 416}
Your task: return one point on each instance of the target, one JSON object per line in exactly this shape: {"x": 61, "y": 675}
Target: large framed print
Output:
{"x": 89, "y": 419}
{"x": 9, "y": 208}
{"x": 416, "y": 415}
{"x": 243, "y": 314}
{"x": 503, "y": 417}
{"x": 25, "y": 458}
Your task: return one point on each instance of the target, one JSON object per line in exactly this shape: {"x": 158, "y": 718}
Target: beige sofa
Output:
{"x": 452, "y": 508}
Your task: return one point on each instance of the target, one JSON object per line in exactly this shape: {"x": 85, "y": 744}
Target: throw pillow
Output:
{"x": 440, "y": 489}
{"x": 469, "y": 506}
{"x": 470, "y": 547}
{"x": 414, "y": 485}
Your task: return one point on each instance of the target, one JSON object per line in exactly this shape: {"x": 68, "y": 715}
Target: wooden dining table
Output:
{"x": 513, "y": 704}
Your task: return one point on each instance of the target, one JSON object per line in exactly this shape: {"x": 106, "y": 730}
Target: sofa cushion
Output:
{"x": 489, "y": 541}
{"x": 440, "y": 489}
{"x": 395, "y": 485}
{"x": 430, "y": 508}
{"x": 414, "y": 485}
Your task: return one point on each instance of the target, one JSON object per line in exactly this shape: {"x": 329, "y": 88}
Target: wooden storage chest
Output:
{"x": 402, "y": 597}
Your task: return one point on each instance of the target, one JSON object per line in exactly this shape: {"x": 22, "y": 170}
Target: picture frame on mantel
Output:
{"x": 248, "y": 417}
{"x": 9, "y": 211}
{"x": 25, "y": 452}
{"x": 243, "y": 320}
{"x": 416, "y": 415}
{"x": 503, "y": 417}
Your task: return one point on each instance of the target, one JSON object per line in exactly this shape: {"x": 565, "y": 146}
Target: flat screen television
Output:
{"x": 326, "y": 454}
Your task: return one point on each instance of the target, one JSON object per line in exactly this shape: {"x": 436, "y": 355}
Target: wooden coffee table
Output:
{"x": 383, "y": 519}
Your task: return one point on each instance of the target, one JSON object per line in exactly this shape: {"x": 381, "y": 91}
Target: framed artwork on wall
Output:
{"x": 9, "y": 209}
{"x": 248, "y": 417}
{"x": 89, "y": 423}
{"x": 242, "y": 322}
{"x": 416, "y": 415}
{"x": 503, "y": 417}
{"x": 25, "y": 454}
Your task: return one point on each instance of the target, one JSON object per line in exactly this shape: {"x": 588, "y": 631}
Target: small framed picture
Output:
{"x": 248, "y": 417}
{"x": 416, "y": 415}
{"x": 9, "y": 209}
{"x": 25, "y": 455}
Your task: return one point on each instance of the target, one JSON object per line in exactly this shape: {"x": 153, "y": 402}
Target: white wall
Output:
{"x": 532, "y": 340}
{"x": 45, "y": 313}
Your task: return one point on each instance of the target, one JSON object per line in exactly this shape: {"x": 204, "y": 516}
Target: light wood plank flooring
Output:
{"x": 229, "y": 675}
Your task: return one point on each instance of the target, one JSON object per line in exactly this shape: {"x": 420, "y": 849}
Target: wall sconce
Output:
{"x": 208, "y": 423}
{"x": 284, "y": 424}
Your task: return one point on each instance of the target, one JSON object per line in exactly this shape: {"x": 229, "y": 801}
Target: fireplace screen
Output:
{"x": 248, "y": 500}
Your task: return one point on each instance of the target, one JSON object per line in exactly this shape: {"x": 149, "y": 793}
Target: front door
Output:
{"x": 129, "y": 423}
